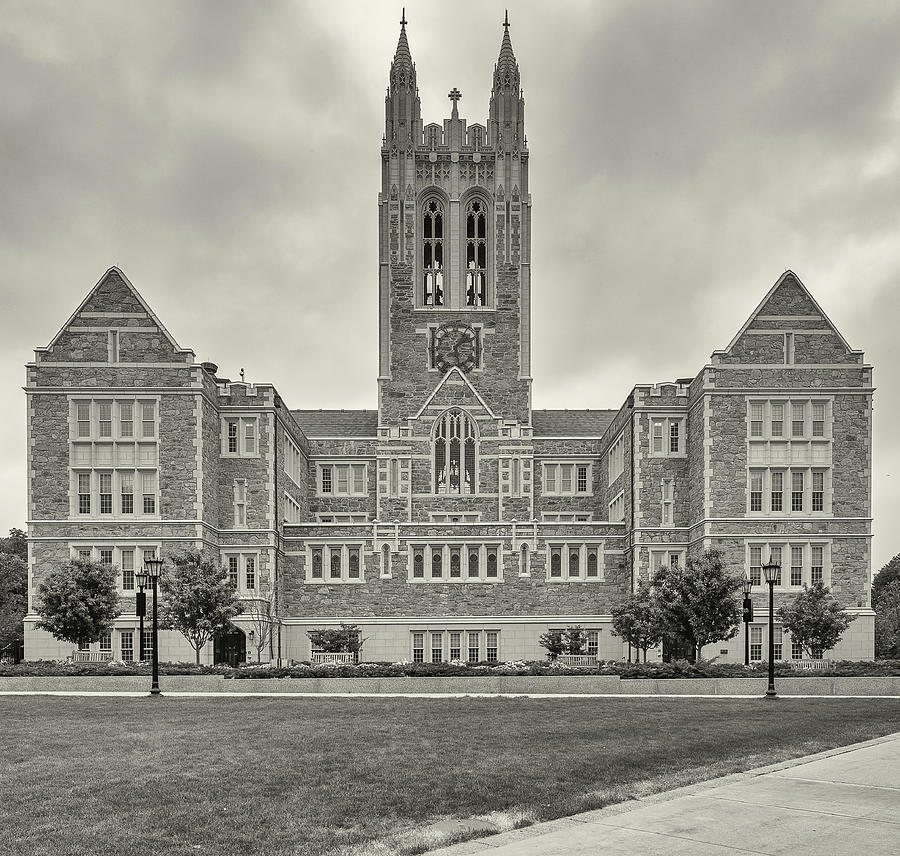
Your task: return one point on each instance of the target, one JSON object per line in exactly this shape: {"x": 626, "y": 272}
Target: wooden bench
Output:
{"x": 347, "y": 658}
{"x": 577, "y": 660}
{"x": 810, "y": 665}
{"x": 92, "y": 656}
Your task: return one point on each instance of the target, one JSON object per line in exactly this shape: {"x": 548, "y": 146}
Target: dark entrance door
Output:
{"x": 230, "y": 647}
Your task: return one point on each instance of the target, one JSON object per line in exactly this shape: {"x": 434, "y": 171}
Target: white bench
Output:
{"x": 577, "y": 660}
{"x": 92, "y": 656}
{"x": 317, "y": 658}
{"x": 810, "y": 665}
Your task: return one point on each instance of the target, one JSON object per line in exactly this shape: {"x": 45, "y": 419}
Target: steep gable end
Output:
{"x": 114, "y": 324}
{"x": 455, "y": 390}
{"x": 788, "y": 328}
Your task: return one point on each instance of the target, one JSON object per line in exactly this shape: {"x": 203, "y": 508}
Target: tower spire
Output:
{"x": 402, "y": 107}
{"x": 507, "y": 108}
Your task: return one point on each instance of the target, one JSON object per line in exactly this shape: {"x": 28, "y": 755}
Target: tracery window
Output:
{"x": 455, "y": 439}
{"x": 476, "y": 254}
{"x": 433, "y": 253}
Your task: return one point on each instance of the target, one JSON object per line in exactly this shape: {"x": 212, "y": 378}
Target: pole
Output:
{"x": 770, "y": 690}
{"x": 141, "y": 611}
{"x": 746, "y": 643}
{"x": 154, "y": 686}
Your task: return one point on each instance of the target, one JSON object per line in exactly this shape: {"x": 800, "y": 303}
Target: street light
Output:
{"x": 748, "y": 617}
{"x": 140, "y": 607}
{"x": 772, "y": 573}
{"x": 152, "y": 568}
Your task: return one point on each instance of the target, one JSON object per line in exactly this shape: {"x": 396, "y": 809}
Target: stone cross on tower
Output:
{"x": 454, "y": 95}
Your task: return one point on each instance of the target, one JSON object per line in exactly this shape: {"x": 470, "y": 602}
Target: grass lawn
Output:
{"x": 223, "y": 776}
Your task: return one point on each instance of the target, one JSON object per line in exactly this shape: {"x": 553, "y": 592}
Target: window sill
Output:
{"x": 454, "y": 580}
{"x": 557, "y": 580}
{"x": 334, "y": 582}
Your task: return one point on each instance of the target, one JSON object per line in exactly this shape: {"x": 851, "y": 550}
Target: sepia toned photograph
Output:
{"x": 453, "y": 428}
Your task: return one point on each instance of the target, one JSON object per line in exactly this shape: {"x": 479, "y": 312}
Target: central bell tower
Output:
{"x": 454, "y": 217}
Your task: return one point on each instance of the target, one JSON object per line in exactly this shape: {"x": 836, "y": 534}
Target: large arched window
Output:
{"x": 476, "y": 253}
{"x": 433, "y": 253}
{"x": 455, "y": 439}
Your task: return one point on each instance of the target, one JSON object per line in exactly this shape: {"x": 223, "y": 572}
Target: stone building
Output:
{"x": 454, "y": 521}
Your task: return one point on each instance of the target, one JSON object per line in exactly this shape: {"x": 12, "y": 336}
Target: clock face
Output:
{"x": 455, "y": 344}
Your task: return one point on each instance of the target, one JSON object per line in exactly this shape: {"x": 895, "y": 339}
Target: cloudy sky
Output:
{"x": 226, "y": 156}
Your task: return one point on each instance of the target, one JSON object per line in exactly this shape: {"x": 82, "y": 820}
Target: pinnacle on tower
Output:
{"x": 402, "y": 56}
{"x": 506, "y": 72}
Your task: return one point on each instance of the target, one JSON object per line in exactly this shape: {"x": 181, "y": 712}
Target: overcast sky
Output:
{"x": 226, "y": 156}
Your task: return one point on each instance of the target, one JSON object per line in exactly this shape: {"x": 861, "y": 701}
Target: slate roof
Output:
{"x": 337, "y": 423}
{"x": 571, "y": 423}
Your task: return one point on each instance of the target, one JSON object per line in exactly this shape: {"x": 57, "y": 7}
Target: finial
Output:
{"x": 242, "y": 375}
{"x": 454, "y": 95}
{"x": 403, "y": 18}
{"x": 506, "y": 18}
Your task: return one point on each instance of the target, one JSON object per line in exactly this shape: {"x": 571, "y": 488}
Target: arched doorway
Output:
{"x": 230, "y": 647}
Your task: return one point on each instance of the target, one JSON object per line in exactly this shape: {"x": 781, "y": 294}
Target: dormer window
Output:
{"x": 433, "y": 253}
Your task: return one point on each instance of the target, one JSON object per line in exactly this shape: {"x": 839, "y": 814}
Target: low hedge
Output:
{"x": 677, "y": 669}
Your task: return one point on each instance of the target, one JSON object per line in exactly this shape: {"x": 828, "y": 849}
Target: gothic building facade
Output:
{"x": 454, "y": 521}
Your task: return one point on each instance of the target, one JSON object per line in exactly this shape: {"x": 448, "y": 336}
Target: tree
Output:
{"x": 637, "y": 620}
{"x": 16, "y": 544}
{"x": 344, "y": 640}
{"x": 78, "y": 602}
{"x": 555, "y": 643}
{"x": 888, "y": 574}
{"x": 575, "y": 639}
{"x": 815, "y": 619}
{"x": 198, "y": 598}
{"x": 13, "y": 601}
{"x": 261, "y": 613}
{"x": 697, "y": 601}
{"x": 887, "y": 622}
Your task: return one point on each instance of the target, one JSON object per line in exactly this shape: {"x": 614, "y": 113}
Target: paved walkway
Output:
{"x": 846, "y": 801}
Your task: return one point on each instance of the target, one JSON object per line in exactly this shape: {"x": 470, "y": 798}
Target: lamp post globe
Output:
{"x": 152, "y": 568}
{"x": 772, "y": 574}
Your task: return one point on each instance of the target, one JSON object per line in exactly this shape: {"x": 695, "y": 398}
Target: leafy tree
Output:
{"x": 637, "y": 620}
{"x": 345, "y": 640}
{"x": 887, "y": 622}
{"x": 78, "y": 602}
{"x": 815, "y": 619}
{"x": 888, "y": 574}
{"x": 575, "y": 639}
{"x": 555, "y": 643}
{"x": 13, "y": 600}
{"x": 261, "y": 613}
{"x": 16, "y": 544}
{"x": 198, "y": 598}
{"x": 697, "y": 601}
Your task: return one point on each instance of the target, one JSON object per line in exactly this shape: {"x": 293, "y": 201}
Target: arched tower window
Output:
{"x": 455, "y": 440}
{"x": 433, "y": 253}
{"x": 476, "y": 253}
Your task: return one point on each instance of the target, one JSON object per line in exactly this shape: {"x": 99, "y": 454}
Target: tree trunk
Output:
{"x": 197, "y": 653}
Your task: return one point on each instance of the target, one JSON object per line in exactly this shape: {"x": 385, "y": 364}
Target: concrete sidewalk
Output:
{"x": 845, "y": 801}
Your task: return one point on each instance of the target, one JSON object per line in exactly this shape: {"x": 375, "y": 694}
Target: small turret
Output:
{"x": 507, "y": 109}
{"x": 403, "y": 123}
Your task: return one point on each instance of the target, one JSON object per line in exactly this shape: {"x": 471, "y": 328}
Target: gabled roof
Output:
{"x": 571, "y": 423}
{"x": 788, "y": 278}
{"x": 456, "y": 372}
{"x": 337, "y": 423}
{"x": 113, "y": 278}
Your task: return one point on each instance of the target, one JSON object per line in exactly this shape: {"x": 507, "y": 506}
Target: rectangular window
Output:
{"x": 574, "y": 562}
{"x": 240, "y": 503}
{"x": 106, "y": 556}
{"x": 437, "y": 563}
{"x": 796, "y": 650}
{"x": 549, "y": 479}
{"x": 491, "y": 646}
{"x": 658, "y": 437}
{"x": 149, "y": 554}
{"x": 674, "y": 437}
{"x": 335, "y": 559}
{"x": 250, "y": 436}
{"x": 84, "y": 555}
{"x": 83, "y": 417}
{"x": 777, "y": 491}
{"x": 777, "y": 420}
{"x": 455, "y": 563}
{"x": 756, "y": 420}
{"x": 815, "y": 571}
{"x": 818, "y": 419}
{"x": 581, "y": 479}
{"x": 148, "y": 644}
{"x": 105, "y": 411}
{"x": 796, "y": 566}
{"x": 128, "y": 570}
{"x": 593, "y": 643}
{"x": 777, "y": 652}
{"x": 756, "y": 565}
{"x": 126, "y": 484}
{"x": 233, "y": 570}
{"x": 775, "y": 556}
{"x": 474, "y": 563}
{"x": 818, "y": 491}
{"x": 126, "y": 645}
{"x": 492, "y": 569}
{"x": 474, "y": 647}
{"x": 106, "y": 643}
{"x": 756, "y": 490}
{"x": 250, "y": 572}
{"x": 565, "y": 478}
{"x": 556, "y": 561}
{"x": 148, "y": 419}
{"x": 233, "y": 437}
{"x": 796, "y": 490}
{"x": 353, "y": 567}
{"x": 617, "y": 508}
{"x": 789, "y": 348}
{"x": 798, "y": 420}
{"x": 617, "y": 458}
{"x": 316, "y": 570}
{"x": 342, "y": 479}
{"x": 106, "y": 493}
{"x": 455, "y": 646}
{"x": 113, "y": 346}
{"x": 437, "y": 647}
{"x": 327, "y": 484}
{"x": 418, "y": 647}
{"x": 84, "y": 493}
{"x": 126, "y": 419}
{"x": 149, "y": 488}
{"x": 593, "y": 562}
{"x": 756, "y": 634}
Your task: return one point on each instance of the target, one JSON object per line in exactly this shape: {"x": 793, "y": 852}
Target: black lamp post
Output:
{"x": 772, "y": 572}
{"x": 140, "y": 607}
{"x": 748, "y": 617}
{"x": 152, "y": 568}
